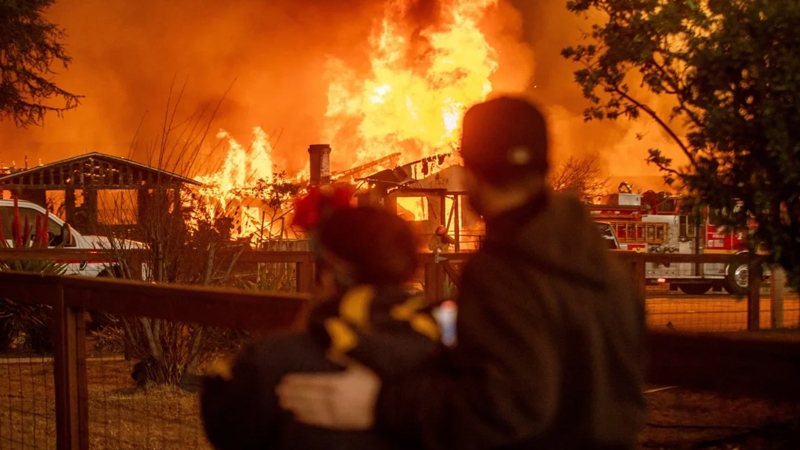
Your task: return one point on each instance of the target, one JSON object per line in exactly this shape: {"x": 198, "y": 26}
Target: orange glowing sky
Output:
{"x": 278, "y": 55}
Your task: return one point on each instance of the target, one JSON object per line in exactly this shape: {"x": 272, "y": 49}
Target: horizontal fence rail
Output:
{"x": 138, "y": 259}
{"x": 437, "y": 269}
{"x": 440, "y": 274}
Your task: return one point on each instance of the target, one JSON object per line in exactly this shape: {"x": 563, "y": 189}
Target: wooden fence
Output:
{"x": 303, "y": 261}
{"x": 745, "y": 364}
{"x": 636, "y": 264}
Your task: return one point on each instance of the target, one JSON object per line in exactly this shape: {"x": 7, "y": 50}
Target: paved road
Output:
{"x": 712, "y": 311}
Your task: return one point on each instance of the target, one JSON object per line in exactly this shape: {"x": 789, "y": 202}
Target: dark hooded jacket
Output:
{"x": 384, "y": 329}
{"x": 550, "y": 345}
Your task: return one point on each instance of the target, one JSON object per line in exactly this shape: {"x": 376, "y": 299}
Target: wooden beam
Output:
{"x": 135, "y": 255}
{"x": 457, "y": 224}
{"x": 455, "y": 277}
{"x": 434, "y": 283}
{"x": 69, "y": 204}
{"x": 29, "y": 287}
{"x": 69, "y": 357}
{"x": 305, "y": 275}
{"x": 777, "y": 286}
{"x": 226, "y": 308}
{"x": 54, "y": 254}
{"x": 754, "y": 294}
{"x": 429, "y": 258}
{"x": 97, "y": 172}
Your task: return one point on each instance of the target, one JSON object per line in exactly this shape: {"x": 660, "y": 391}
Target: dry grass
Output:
{"x": 27, "y": 405}
{"x": 121, "y": 415}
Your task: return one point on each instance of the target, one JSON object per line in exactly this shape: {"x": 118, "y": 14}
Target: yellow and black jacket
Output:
{"x": 385, "y": 329}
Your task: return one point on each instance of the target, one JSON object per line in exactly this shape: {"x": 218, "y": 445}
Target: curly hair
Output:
{"x": 380, "y": 246}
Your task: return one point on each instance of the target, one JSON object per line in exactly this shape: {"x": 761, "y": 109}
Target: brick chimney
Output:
{"x": 320, "y": 165}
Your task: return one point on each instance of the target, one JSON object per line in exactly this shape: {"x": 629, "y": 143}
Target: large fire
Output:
{"x": 424, "y": 74}
{"x": 242, "y": 168}
{"x": 429, "y": 61}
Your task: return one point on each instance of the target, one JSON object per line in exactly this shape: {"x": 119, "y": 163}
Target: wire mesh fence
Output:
{"x": 134, "y": 401}
{"x": 129, "y": 357}
{"x": 717, "y": 311}
{"x": 27, "y": 392}
{"x": 143, "y": 380}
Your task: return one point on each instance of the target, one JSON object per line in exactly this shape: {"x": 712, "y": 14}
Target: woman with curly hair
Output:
{"x": 365, "y": 257}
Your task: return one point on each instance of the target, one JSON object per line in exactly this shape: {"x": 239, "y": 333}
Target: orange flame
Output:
{"x": 424, "y": 73}
{"x": 241, "y": 169}
{"x": 421, "y": 82}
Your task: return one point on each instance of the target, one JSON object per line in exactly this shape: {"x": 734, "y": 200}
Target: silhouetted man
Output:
{"x": 550, "y": 333}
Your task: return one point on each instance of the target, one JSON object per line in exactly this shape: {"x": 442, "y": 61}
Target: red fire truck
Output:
{"x": 659, "y": 225}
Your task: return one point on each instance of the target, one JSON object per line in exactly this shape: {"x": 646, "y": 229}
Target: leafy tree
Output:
{"x": 729, "y": 68}
{"x": 29, "y": 47}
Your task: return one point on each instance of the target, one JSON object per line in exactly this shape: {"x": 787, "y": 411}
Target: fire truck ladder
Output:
{"x": 640, "y": 232}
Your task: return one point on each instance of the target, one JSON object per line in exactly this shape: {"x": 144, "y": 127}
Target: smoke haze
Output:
{"x": 128, "y": 53}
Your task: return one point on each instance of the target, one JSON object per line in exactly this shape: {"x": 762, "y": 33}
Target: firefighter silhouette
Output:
{"x": 440, "y": 241}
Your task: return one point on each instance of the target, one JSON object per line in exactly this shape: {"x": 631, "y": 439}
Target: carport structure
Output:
{"x": 98, "y": 190}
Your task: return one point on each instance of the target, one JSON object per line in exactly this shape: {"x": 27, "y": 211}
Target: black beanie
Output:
{"x": 504, "y": 140}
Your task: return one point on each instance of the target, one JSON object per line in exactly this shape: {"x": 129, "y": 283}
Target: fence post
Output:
{"x": 69, "y": 371}
{"x": 305, "y": 275}
{"x": 635, "y": 264}
{"x": 448, "y": 268}
{"x": 434, "y": 285}
{"x": 641, "y": 274}
{"x": 754, "y": 293}
{"x": 777, "y": 287}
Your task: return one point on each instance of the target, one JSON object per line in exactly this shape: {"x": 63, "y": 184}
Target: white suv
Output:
{"x": 59, "y": 233}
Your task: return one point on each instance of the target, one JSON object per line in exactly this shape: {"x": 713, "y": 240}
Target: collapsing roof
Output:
{"x": 92, "y": 170}
{"x": 408, "y": 173}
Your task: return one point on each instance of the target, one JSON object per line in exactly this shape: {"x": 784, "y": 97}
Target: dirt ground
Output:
{"x": 685, "y": 419}
{"x": 123, "y": 416}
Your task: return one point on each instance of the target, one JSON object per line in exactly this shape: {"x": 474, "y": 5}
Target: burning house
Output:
{"x": 430, "y": 194}
{"x": 389, "y": 124}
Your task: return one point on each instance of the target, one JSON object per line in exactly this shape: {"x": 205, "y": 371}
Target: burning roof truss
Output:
{"x": 93, "y": 170}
